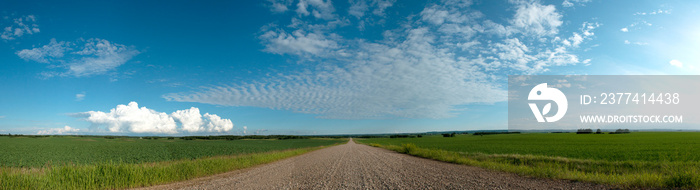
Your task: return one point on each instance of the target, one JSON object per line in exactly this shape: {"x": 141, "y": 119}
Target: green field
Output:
{"x": 62, "y": 150}
{"x": 65, "y": 162}
{"x": 644, "y": 159}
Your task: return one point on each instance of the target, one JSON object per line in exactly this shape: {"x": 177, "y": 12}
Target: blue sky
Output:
{"x": 313, "y": 66}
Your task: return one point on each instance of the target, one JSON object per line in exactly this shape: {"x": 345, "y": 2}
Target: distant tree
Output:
{"x": 598, "y": 131}
{"x": 584, "y": 131}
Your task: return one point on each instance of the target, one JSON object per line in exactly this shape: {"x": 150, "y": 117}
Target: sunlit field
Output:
{"x": 644, "y": 159}
{"x": 67, "y": 162}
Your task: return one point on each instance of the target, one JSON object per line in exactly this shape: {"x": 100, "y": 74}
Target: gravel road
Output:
{"x": 356, "y": 166}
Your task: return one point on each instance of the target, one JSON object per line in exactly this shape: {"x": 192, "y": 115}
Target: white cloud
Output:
{"x": 676, "y": 63}
{"x": 447, "y": 57}
{"x": 361, "y": 9}
{"x": 299, "y": 43}
{"x": 318, "y": 8}
{"x": 576, "y": 39}
{"x": 624, "y": 29}
{"x": 586, "y": 62}
{"x": 191, "y": 119}
{"x": 280, "y": 6}
{"x": 2, "y": 116}
{"x": 94, "y": 57}
{"x": 245, "y": 130}
{"x": 131, "y": 118}
{"x": 571, "y": 3}
{"x": 80, "y": 96}
{"x": 535, "y": 18}
{"x": 100, "y": 56}
{"x": 381, "y": 5}
{"x": 413, "y": 79}
{"x": 47, "y": 53}
{"x": 358, "y": 8}
{"x": 659, "y": 11}
{"x": 636, "y": 43}
{"x": 21, "y": 26}
{"x": 216, "y": 124}
{"x": 58, "y": 131}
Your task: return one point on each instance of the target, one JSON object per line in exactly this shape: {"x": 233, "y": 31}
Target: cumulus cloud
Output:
{"x": 94, "y": 57}
{"x": 20, "y": 26}
{"x": 624, "y": 29}
{"x": 676, "y": 63}
{"x": 191, "y": 119}
{"x": 447, "y": 57}
{"x": 58, "y": 131}
{"x": 135, "y": 119}
{"x": 131, "y": 118}
{"x": 245, "y": 129}
{"x": 217, "y": 124}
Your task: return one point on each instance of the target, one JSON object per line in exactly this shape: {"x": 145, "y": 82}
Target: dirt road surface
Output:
{"x": 356, "y": 166}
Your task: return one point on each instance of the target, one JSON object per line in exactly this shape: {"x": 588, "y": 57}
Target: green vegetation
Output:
{"x": 64, "y": 162}
{"x": 67, "y": 150}
{"x": 646, "y": 159}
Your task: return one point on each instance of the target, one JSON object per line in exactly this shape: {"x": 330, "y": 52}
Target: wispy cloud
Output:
{"x": 571, "y": 3}
{"x": 135, "y": 119}
{"x": 25, "y": 25}
{"x": 80, "y": 96}
{"x": 444, "y": 58}
{"x": 655, "y": 12}
{"x": 636, "y": 43}
{"x": 94, "y": 57}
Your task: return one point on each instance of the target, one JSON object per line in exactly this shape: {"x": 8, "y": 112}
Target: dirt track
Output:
{"x": 356, "y": 166}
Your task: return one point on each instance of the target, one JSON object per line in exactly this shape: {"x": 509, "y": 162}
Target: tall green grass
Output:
{"x": 112, "y": 175}
{"x": 642, "y": 160}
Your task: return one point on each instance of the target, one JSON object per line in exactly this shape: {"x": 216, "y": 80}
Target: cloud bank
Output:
{"x": 135, "y": 119}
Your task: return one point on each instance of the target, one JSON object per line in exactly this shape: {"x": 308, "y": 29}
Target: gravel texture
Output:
{"x": 356, "y": 166}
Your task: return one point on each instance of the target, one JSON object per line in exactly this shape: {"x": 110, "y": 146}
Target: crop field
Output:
{"x": 643, "y": 159}
{"x": 65, "y": 162}
{"x": 45, "y": 151}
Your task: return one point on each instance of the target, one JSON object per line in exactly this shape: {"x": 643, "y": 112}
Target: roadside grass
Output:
{"x": 116, "y": 175}
{"x": 637, "y": 173}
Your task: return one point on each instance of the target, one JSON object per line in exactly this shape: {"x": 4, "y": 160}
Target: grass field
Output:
{"x": 644, "y": 159}
{"x": 100, "y": 163}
